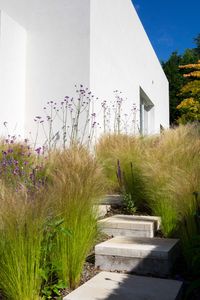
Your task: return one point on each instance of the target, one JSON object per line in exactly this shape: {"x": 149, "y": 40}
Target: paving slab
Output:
{"x": 114, "y": 200}
{"x": 154, "y": 256}
{"x": 130, "y": 225}
{"x": 115, "y": 286}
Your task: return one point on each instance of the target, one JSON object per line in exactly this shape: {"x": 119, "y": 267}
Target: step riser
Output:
{"x": 138, "y": 255}
{"x": 125, "y": 232}
{"x": 130, "y": 225}
{"x": 102, "y": 210}
{"x": 139, "y": 266}
{"x": 113, "y": 200}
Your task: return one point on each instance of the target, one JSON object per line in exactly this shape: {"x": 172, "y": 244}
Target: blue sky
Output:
{"x": 170, "y": 24}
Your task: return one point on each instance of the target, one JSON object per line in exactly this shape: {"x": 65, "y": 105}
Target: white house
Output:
{"x": 47, "y": 46}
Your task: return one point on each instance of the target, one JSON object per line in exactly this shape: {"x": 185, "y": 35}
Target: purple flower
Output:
{"x": 10, "y": 150}
{"x": 38, "y": 150}
{"x": 119, "y": 173}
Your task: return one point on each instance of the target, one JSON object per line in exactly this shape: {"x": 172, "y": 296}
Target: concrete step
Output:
{"x": 102, "y": 210}
{"x": 115, "y": 286}
{"x": 113, "y": 200}
{"x": 154, "y": 256}
{"x": 130, "y": 225}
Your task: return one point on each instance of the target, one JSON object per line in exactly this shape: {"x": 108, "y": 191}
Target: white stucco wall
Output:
{"x": 57, "y": 49}
{"x": 12, "y": 75}
{"x": 99, "y": 43}
{"x": 122, "y": 58}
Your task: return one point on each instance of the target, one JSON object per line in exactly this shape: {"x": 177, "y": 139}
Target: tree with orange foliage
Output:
{"x": 190, "y": 106}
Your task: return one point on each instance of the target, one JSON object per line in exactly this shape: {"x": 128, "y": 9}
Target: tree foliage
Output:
{"x": 197, "y": 42}
{"x": 190, "y": 107}
{"x": 182, "y": 86}
{"x": 176, "y": 81}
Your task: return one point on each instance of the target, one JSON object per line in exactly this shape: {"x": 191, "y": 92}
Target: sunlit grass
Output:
{"x": 21, "y": 233}
{"x": 77, "y": 184}
{"x": 126, "y": 152}
{"x": 165, "y": 173}
{"x": 173, "y": 172}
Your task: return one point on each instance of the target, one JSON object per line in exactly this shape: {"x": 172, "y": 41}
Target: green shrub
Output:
{"x": 129, "y": 204}
{"x": 51, "y": 284}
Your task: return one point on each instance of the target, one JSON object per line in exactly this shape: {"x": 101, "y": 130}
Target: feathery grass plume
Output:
{"x": 128, "y": 152}
{"x": 76, "y": 186}
{"x": 21, "y": 233}
{"x": 173, "y": 170}
{"x": 107, "y": 151}
{"x": 164, "y": 172}
{"x": 167, "y": 168}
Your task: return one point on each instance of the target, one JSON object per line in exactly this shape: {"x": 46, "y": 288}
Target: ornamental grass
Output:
{"x": 76, "y": 185}
{"x": 167, "y": 172}
{"x": 22, "y": 221}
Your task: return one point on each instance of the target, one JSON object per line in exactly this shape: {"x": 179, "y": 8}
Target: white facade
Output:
{"x": 12, "y": 75}
{"x": 48, "y": 46}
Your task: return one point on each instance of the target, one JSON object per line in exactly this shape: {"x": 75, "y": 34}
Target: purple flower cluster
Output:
{"x": 71, "y": 128}
{"x": 17, "y": 165}
{"x": 68, "y": 111}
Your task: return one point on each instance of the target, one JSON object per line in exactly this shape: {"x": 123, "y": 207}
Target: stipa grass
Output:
{"x": 166, "y": 172}
{"x": 112, "y": 148}
{"x": 127, "y": 152}
{"x": 76, "y": 185}
{"x": 173, "y": 172}
{"x": 21, "y": 234}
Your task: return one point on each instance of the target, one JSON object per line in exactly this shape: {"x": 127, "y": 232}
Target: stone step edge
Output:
{"x": 107, "y": 249}
{"x": 105, "y": 284}
{"x": 136, "y": 218}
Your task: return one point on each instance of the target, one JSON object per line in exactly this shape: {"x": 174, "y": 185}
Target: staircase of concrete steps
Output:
{"x": 132, "y": 248}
